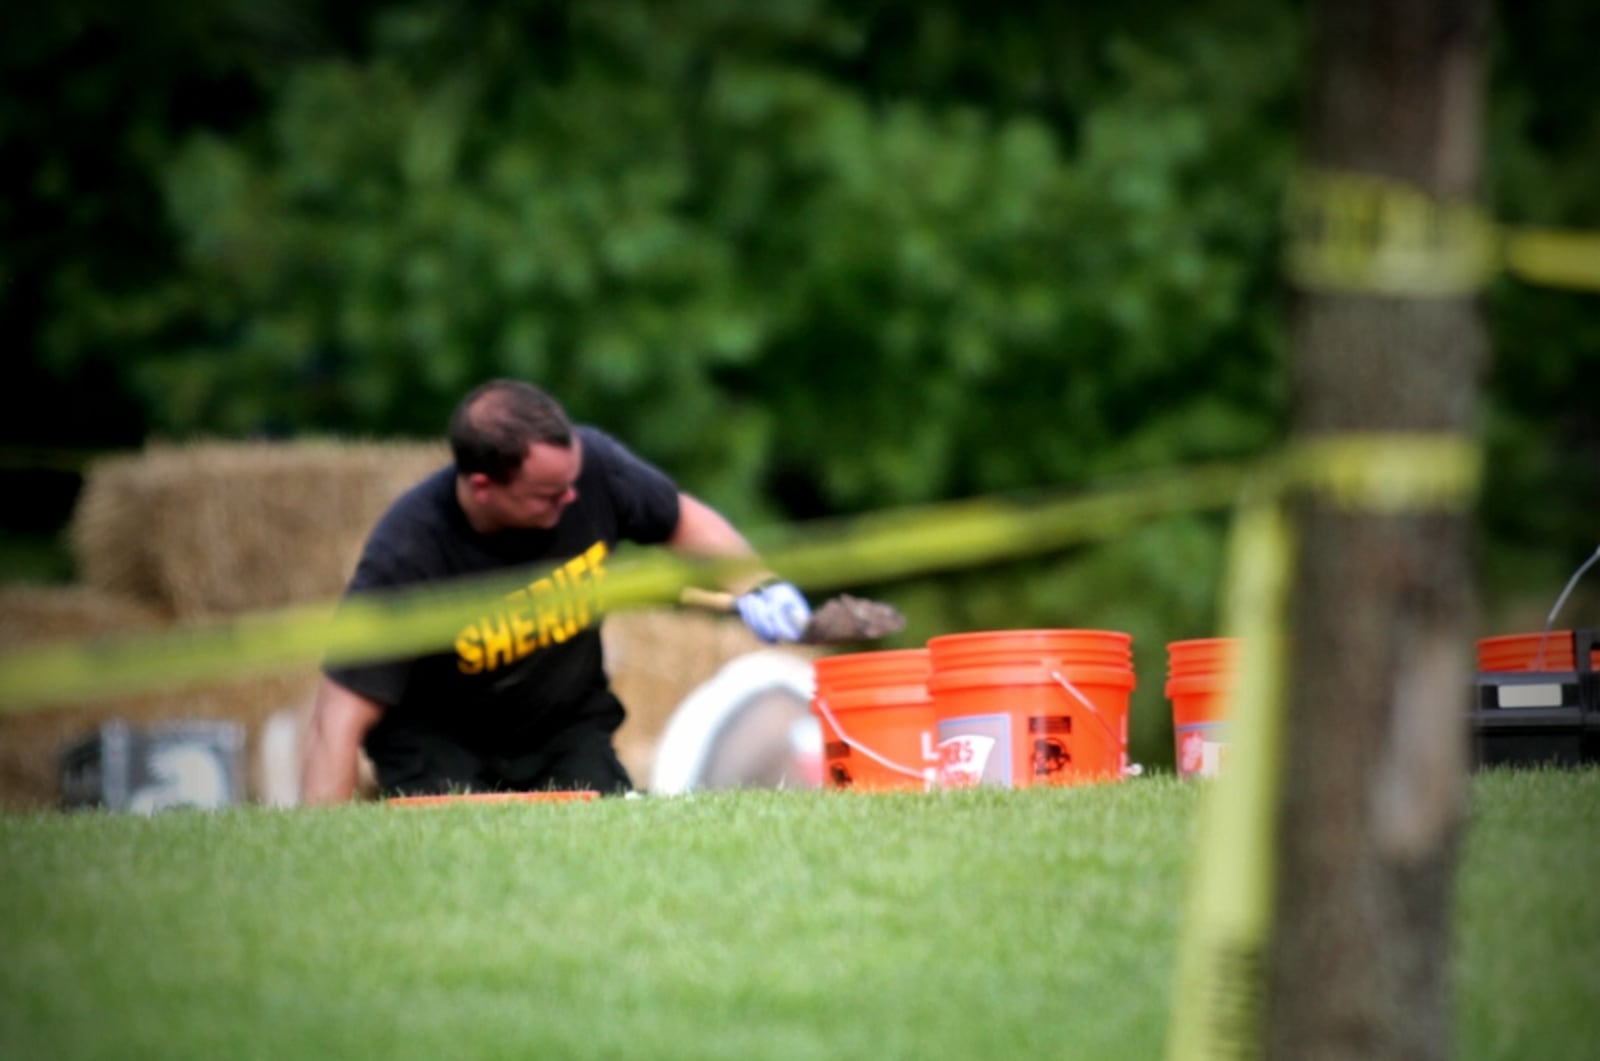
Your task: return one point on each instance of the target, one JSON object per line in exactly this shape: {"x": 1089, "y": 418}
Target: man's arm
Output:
{"x": 339, "y": 721}
{"x": 703, "y": 531}
{"x": 774, "y": 610}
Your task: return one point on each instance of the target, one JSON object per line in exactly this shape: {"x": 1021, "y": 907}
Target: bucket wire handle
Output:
{"x": 1115, "y": 738}
{"x": 1538, "y": 660}
{"x": 921, "y": 775}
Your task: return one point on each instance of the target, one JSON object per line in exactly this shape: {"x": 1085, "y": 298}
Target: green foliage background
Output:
{"x": 813, "y": 257}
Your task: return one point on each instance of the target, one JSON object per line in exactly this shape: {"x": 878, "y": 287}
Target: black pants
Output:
{"x": 414, "y": 762}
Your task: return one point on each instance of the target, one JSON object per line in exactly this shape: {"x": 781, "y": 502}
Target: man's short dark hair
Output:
{"x": 494, "y": 425}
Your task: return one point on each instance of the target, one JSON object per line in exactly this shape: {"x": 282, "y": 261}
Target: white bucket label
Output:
{"x": 1529, "y": 696}
{"x": 962, "y": 759}
{"x": 1201, "y": 751}
{"x": 975, "y": 750}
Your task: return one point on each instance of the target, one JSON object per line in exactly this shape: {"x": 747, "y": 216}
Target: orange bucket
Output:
{"x": 473, "y": 798}
{"x": 1200, "y": 686}
{"x": 876, "y": 719}
{"x": 1532, "y": 652}
{"x": 1019, "y": 708}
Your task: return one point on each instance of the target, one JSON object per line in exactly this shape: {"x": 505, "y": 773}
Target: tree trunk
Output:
{"x": 1376, "y": 743}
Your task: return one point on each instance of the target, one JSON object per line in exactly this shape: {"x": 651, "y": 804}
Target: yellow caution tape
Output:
{"x": 824, "y": 555}
{"x": 1221, "y": 972}
{"x": 1363, "y": 234}
{"x": 364, "y": 628}
{"x": 1382, "y": 472}
{"x": 1222, "y": 958}
{"x": 1360, "y": 233}
{"x": 1389, "y": 472}
{"x": 1554, "y": 258}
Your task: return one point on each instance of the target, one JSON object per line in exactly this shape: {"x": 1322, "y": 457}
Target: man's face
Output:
{"x": 537, "y": 495}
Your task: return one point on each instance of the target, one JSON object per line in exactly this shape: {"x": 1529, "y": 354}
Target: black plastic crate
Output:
{"x": 1539, "y": 718}
{"x": 196, "y": 764}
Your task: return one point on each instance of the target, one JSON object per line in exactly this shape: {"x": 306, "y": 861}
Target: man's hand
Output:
{"x": 775, "y": 612}
{"x": 339, "y": 721}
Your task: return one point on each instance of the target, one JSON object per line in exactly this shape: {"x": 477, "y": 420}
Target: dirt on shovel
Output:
{"x": 844, "y": 619}
{"x": 841, "y": 620}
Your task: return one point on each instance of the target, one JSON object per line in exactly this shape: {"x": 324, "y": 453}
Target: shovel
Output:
{"x": 841, "y": 620}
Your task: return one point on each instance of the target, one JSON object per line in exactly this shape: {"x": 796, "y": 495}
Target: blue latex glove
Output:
{"x": 775, "y": 612}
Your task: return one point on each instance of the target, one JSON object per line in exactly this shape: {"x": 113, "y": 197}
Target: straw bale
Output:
{"x": 656, "y": 658}
{"x": 106, "y": 533}
{"x": 31, "y": 614}
{"x": 219, "y": 528}
{"x": 31, "y": 744}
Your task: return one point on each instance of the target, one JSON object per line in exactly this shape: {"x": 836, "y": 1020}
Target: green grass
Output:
{"x": 1527, "y": 963}
{"x": 739, "y": 925}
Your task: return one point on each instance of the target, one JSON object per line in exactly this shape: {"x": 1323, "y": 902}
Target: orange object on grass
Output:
{"x": 581, "y": 795}
{"x": 1200, "y": 682}
{"x": 1532, "y": 652}
{"x": 876, "y": 718}
{"x": 1031, "y": 707}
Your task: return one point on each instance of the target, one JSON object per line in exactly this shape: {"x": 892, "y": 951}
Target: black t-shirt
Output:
{"x": 529, "y": 668}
